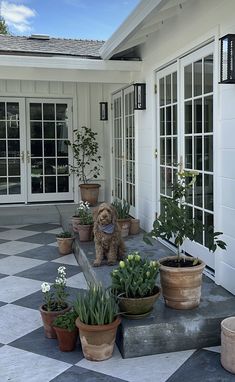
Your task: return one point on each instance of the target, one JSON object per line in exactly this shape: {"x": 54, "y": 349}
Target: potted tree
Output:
{"x": 66, "y": 330}
{"x": 134, "y": 284}
{"x": 181, "y": 276}
{"x": 65, "y": 242}
{"x": 123, "y": 219}
{"x": 97, "y": 322}
{"x": 85, "y": 225}
{"x": 87, "y": 167}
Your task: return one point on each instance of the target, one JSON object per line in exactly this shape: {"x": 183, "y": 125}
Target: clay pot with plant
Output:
{"x": 66, "y": 331}
{"x": 97, "y": 322}
{"x": 65, "y": 242}
{"x": 181, "y": 276}
{"x": 85, "y": 225}
{"x": 123, "y": 218}
{"x": 134, "y": 284}
{"x": 87, "y": 163}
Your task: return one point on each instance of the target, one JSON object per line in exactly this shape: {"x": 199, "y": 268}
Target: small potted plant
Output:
{"x": 54, "y": 301}
{"x": 181, "y": 276}
{"x": 134, "y": 284}
{"x": 87, "y": 167}
{"x": 77, "y": 214}
{"x": 85, "y": 225}
{"x": 123, "y": 218}
{"x": 65, "y": 242}
{"x": 66, "y": 330}
{"x": 97, "y": 322}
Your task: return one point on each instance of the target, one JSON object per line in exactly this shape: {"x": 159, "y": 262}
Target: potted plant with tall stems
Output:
{"x": 181, "y": 276}
{"x": 87, "y": 167}
{"x": 97, "y": 322}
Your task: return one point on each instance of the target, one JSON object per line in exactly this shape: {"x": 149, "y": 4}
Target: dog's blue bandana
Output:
{"x": 109, "y": 228}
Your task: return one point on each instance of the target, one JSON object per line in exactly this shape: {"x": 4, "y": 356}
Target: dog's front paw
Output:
{"x": 112, "y": 263}
{"x": 96, "y": 263}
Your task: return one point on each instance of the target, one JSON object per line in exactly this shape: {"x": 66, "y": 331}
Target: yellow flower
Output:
{"x": 122, "y": 264}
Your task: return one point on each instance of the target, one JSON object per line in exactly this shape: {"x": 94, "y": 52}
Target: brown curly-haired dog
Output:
{"x": 107, "y": 236}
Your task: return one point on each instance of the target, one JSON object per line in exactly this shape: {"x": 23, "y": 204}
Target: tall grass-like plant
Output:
{"x": 122, "y": 208}
{"x": 97, "y": 306}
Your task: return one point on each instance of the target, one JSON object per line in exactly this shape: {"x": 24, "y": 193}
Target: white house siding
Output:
{"x": 195, "y": 24}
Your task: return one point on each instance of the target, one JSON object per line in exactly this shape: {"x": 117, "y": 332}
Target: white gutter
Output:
{"x": 129, "y": 26}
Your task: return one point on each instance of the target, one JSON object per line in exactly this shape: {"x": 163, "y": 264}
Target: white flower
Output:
{"x": 45, "y": 287}
{"x": 60, "y": 281}
{"x": 61, "y": 270}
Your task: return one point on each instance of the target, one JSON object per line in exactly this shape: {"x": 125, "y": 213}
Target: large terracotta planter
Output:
{"x": 124, "y": 225}
{"x": 75, "y": 223}
{"x": 85, "y": 232}
{"x": 90, "y": 193}
{"x": 67, "y": 340}
{"x": 228, "y": 344}
{"x": 137, "y": 307}
{"x": 65, "y": 245}
{"x": 181, "y": 286}
{"x": 48, "y": 318}
{"x": 97, "y": 340}
{"x": 134, "y": 226}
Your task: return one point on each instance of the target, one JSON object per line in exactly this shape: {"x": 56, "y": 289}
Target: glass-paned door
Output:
{"x": 48, "y": 157}
{"x": 124, "y": 147}
{"x": 12, "y": 151}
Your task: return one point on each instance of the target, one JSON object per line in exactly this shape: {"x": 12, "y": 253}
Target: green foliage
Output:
{"x": 83, "y": 211}
{"x": 122, "y": 208}
{"x": 85, "y": 151}
{"x": 66, "y": 321}
{"x": 97, "y": 306}
{"x": 135, "y": 277}
{"x": 3, "y": 26}
{"x": 64, "y": 235}
{"x": 174, "y": 221}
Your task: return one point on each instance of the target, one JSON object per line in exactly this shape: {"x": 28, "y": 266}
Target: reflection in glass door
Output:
{"x": 47, "y": 154}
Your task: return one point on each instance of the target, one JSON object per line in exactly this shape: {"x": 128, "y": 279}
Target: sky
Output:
{"x": 82, "y": 19}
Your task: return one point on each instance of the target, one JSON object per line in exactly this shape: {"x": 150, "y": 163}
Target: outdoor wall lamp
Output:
{"x": 103, "y": 111}
{"x": 227, "y": 59}
{"x": 139, "y": 96}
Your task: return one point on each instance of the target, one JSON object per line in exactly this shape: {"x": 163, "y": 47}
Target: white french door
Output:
{"x": 185, "y": 105}
{"x": 124, "y": 147}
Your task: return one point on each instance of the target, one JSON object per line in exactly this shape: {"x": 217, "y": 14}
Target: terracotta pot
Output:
{"x": 85, "y": 232}
{"x": 75, "y": 223}
{"x": 181, "y": 286}
{"x": 48, "y": 318}
{"x": 67, "y": 340}
{"x": 228, "y": 344}
{"x": 65, "y": 245}
{"x": 90, "y": 193}
{"x": 138, "y": 306}
{"x": 124, "y": 225}
{"x": 135, "y": 226}
{"x": 98, "y": 340}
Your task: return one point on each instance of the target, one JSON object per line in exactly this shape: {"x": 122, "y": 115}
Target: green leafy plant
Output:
{"x": 85, "y": 151}
{"x": 135, "y": 277}
{"x": 83, "y": 211}
{"x": 175, "y": 223}
{"x": 122, "y": 208}
{"x": 66, "y": 321}
{"x": 55, "y": 295}
{"x": 64, "y": 235}
{"x": 97, "y": 306}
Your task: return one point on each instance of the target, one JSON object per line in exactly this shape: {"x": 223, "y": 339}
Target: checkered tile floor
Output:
{"x": 29, "y": 256}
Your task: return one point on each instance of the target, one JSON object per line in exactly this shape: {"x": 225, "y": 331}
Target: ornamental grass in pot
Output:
{"x": 54, "y": 302}
{"x": 65, "y": 242}
{"x": 181, "y": 276}
{"x": 123, "y": 218}
{"x": 134, "y": 284}
{"x": 66, "y": 330}
{"x": 97, "y": 322}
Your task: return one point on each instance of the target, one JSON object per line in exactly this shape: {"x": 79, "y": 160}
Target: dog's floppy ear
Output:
{"x": 114, "y": 214}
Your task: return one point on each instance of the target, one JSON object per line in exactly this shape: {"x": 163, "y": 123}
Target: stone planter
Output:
{"x": 228, "y": 344}
{"x": 85, "y": 232}
{"x": 134, "y": 226}
{"x": 90, "y": 193}
{"x": 65, "y": 245}
{"x": 67, "y": 340}
{"x": 48, "y": 318}
{"x": 124, "y": 225}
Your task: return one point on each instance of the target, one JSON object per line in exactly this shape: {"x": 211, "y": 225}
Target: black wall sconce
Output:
{"x": 227, "y": 59}
{"x": 139, "y": 96}
{"x": 103, "y": 111}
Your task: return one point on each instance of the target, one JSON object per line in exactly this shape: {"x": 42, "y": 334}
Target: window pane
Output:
{"x": 2, "y": 110}
{"x": 62, "y": 130}
{"x": 13, "y": 148}
{"x": 35, "y": 111}
{"x": 208, "y": 74}
{"x": 36, "y": 148}
{"x": 62, "y": 166}
{"x": 13, "y": 129}
{"x": 13, "y": 111}
{"x": 175, "y": 152}
{"x": 62, "y": 149}
{"x": 168, "y": 120}
{"x": 162, "y": 180}
{"x": 168, "y": 89}
{"x": 49, "y": 166}
{"x": 63, "y": 184}
{"x": 188, "y": 117}
{"x": 198, "y": 194}
{"x": 188, "y": 81}
{"x": 162, "y": 151}
{"x": 37, "y": 185}
{"x": 14, "y": 167}
{"x": 49, "y": 130}
{"x": 174, "y": 79}
{"x": 3, "y": 186}
{"x": 36, "y": 129}
{"x": 188, "y": 153}
{"x": 208, "y": 152}
{"x": 162, "y": 98}
{"x": 168, "y": 151}
{"x": 208, "y": 192}
{"x": 3, "y": 167}
{"x": 48, "y": 111}
{"x": 208, "y": 114}
{"x": 3, "y": 148}
{"x": 209, "y": 222}
{"x": 50, "y": 184}
{"x": 198, "y": 215}
{"x": 162, "y": 121}
{"x": 169, "y": 181}
{"x": 49, "y": 148}
{"x": 197, "y": 66}
{"x": 61, "y": 112}
{"x": 36, "y": 167}
{"x": 197, "y": 153}
{"x": 14, "y": 185}
{"x": 198, "y": 116}
{"x": 2, "y": 129}
{"x": 175, "y": 120}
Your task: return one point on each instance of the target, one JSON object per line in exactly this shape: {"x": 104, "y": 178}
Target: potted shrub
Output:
{"x": 97, "y": 322}
{"x": 123, "y": 218}
{"x": 87, "y": 167}
{"x": 181, "y": 276}
{"x": 65, "y": 242}
{"x": 66, "y": 330}
{"x": 134, "y": 284}
{"x": 54, "y": 302}
{"x": 85, "y": 225}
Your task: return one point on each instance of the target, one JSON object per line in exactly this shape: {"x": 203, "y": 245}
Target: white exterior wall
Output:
{"x": 195, "y": 24}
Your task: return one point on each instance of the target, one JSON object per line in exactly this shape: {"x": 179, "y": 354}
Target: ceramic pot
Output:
{"x": 181, "y": 286}
{"x": 85, "y": 232}
{"x": 228, "y": 344}
{"x": 134, "y": 226}
{"x": 137, "y": 307}
{"x": 65, "y": 245}
{"x": 124, "y": 225}
{"x": 75, "y": 223}
{"x": 67, "y": 340}
{"x": 48, "y": 318}
{"x": 90, "y": 193}
{"x": 98, "y": 340}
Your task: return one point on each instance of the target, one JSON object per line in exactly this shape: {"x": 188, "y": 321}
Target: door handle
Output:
{"x": 28, "y": 156}
{"x": 22, "y": 156}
